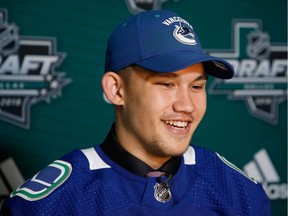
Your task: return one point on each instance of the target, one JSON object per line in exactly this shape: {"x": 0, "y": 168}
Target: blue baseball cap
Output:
{"x": 160, "y": 41}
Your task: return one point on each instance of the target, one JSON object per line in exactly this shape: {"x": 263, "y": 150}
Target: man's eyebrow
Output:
{"x": 174, "y": 75}
{"x": 171, "y": 75}
{"x": 202, "y": 77}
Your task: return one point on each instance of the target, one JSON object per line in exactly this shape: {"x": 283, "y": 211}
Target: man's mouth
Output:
{"x": 177, "y": 124}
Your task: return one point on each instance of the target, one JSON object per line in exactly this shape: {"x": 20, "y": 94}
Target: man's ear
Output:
{"x": 112, "y": 86}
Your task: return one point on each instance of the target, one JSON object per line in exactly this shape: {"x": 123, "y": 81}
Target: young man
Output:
{"x": 155, "y": 75}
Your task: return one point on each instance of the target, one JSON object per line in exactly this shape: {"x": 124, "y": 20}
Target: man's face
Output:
{"x": 162, "y": 110}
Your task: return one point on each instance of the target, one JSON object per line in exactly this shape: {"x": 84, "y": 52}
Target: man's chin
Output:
{"x": 175, "y": 152}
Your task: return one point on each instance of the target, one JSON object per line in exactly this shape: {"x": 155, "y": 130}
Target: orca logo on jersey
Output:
{"x": 44, "y": 182}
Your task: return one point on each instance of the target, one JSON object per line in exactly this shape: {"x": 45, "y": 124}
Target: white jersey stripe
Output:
{"x": 95, "y": 162}
{"x": 189, "y": 156}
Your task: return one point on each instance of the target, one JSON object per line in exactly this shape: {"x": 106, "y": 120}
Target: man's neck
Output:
{"x": 131, "y": 162}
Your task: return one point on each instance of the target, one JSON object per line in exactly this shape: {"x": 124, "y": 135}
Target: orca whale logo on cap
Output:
{"x": 184, "y": 34}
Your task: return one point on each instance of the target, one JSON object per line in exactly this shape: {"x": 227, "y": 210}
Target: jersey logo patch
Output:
{"x": 44, "y": 182}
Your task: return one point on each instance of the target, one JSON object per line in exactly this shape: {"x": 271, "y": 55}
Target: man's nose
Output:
{"x": 183, "y": 101}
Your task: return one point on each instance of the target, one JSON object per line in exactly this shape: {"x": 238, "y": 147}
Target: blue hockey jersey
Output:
{"x": 87, "y": 182}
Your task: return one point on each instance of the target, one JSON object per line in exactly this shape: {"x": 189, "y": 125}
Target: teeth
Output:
{"x": 177, "y": 123}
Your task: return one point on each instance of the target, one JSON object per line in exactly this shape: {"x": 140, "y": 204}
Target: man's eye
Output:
{"x": 197, "y": 87}
{"x": 167, "y": 84}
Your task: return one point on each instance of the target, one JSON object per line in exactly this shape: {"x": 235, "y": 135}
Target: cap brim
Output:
{"x": 171, "y": 62}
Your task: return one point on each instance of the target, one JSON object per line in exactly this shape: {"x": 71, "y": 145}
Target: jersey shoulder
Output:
{"x": 215, "y": 161}
{"x": 59, "y": 187}
{"x": 225, "y": 185}
{"x": 52, "y": 177}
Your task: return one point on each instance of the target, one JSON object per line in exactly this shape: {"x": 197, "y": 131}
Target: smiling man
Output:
{"x": 155, "y": 76}
{"x": 156, "y": 113}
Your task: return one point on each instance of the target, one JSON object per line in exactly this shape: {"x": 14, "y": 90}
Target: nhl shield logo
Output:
{"x": 258, "y": 45}
{"x": 9, "y": 39}
{"x": 162, "y": 193}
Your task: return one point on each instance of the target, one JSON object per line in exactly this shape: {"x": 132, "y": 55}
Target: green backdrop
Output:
{"x": 78, "y": 117}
